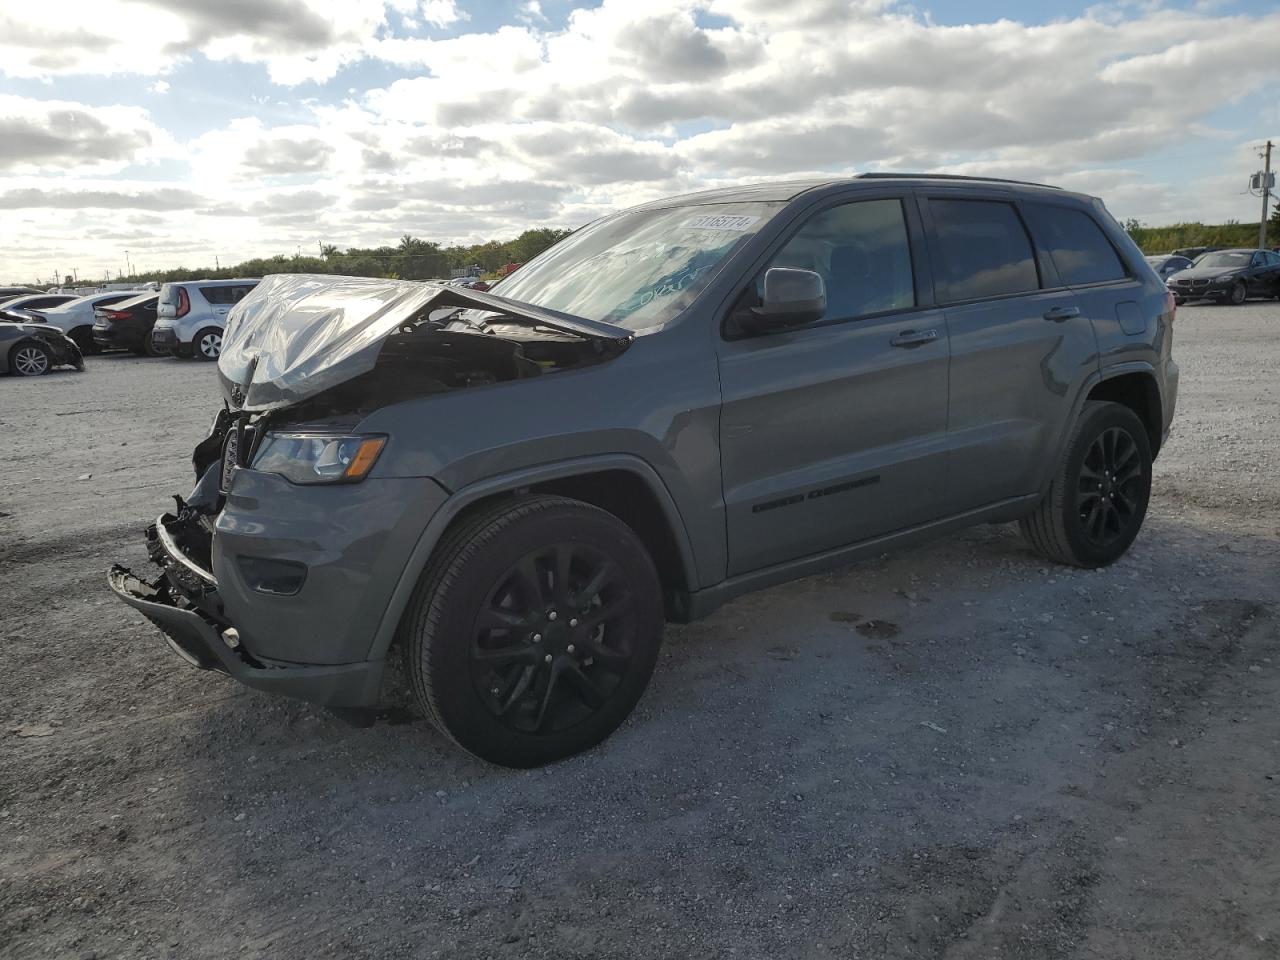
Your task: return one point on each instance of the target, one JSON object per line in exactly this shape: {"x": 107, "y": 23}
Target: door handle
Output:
{"x": 914, "y": 338}
{"x": 1058, "y": 314}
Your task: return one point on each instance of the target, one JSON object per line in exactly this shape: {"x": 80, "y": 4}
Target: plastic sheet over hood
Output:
{"x": 296, "y": 335}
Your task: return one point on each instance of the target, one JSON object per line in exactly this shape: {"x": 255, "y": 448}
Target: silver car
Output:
{"x": 75, "y": 317}
{"x": 192, "y": 315}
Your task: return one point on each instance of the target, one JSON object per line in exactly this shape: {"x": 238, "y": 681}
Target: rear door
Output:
{"x": 835, "y": 432}
{"x": 1021, "y": 343}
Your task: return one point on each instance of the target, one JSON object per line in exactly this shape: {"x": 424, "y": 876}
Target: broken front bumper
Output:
{"x": 183, "y": 602}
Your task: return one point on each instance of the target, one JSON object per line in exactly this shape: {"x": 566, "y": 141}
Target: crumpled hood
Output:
{"x": 296, "y": 335}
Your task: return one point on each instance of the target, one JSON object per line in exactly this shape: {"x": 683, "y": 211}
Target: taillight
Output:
{"x": 116, "y": 315}
{"x": 184, "y": 303}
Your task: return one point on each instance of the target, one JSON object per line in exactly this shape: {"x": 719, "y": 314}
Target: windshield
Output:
{"x": 640, "y": 268}
{"x": 1226, "y": 258}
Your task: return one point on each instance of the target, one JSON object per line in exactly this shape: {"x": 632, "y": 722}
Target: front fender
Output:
{"x": 461, "y": 499}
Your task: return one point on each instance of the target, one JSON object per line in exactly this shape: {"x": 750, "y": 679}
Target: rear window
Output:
{"x": 983, "y": 249}
{"x": 226, "y": 294}
{"x": 1079, "y": 249}
{"x": 146, "y": 299}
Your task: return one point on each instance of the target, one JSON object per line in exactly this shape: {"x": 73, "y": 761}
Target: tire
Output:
{"x": 1179, "y": 300}
{"x": 83, "y": 337}
{"x": 30, "y": 358}
{"x": 149, "y": 348}
{"x": 1079, "y": 524}
{"x": 1239, "y": 293}
{"x": 207, "y": 344}
{"x": 494, "y": 649}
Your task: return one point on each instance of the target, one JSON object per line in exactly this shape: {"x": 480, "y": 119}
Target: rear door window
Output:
{"x": 221, "y": 295}
{"x": 982, "y": 250}
{"x": 1080, "y": 250}
{"x": 239, "y": 293}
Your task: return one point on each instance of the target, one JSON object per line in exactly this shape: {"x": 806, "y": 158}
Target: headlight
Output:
{"x": 318, "y": 457}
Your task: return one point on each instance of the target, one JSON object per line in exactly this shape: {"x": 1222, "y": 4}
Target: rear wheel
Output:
{"x": 30, "y": 359}
{"x": 149, "y": 347}
{"x": 534, "y": 630}
{"x": 1098, "y": 498}
{"x": 83, "y": 338}
{"x": 207, "y": 344}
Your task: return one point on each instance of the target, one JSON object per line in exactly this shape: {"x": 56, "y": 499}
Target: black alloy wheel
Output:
{"x": 1098, "y": 496}
{"x": 1109, "y": 486}
{"x": 534, "y": 630}
{"x": 553, "y": 640}
{"x": 1238, "y": 293}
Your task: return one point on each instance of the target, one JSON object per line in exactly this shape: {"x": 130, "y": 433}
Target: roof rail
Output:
{"x": 950, "y": 176}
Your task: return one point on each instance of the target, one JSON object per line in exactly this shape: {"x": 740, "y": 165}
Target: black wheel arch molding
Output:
{"x": 468, "y": 497}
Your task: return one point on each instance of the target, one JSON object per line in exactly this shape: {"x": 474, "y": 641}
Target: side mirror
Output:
{"x": 792, "y": 298}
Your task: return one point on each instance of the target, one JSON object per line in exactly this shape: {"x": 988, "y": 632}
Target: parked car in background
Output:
{"x": 1192, "y": 252}
{"x": 9, "y": 293}
{"x": 1229, "y": 276}
{"x": 1166, "y": 265}
{"x": 75, "y": 317}
{"x": 471, "y": 283}
{"x": 779, "y": 379}
{"x": 193, "y": 313}
{"x": 19, "y": 308}
{"x": 127, "y": 325}
{"x": 33, "y": 349}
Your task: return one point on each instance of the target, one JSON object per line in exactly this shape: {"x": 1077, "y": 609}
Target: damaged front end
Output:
{"x": 275, "y": 571}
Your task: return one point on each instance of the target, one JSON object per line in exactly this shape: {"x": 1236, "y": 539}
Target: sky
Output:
{"x": 162, "y": 133}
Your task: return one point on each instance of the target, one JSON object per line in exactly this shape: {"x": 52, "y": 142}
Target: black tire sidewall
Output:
{"x": 1240, "y": 287}
{"x": 456, "y": 702}
{"x": 1098, "y": 419}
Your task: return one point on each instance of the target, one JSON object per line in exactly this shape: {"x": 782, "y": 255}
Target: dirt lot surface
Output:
{"x": 954, "y": 751}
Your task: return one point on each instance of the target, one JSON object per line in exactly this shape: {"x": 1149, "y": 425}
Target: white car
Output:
{"x": 75, "y": 316}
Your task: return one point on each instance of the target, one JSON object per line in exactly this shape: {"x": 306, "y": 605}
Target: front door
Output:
{"x": 835, "y": 432}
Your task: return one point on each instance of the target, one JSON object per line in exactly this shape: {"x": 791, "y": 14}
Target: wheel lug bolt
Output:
{"x": 570, "y": 648}
{"x": 537, "y": 638}
{"x": 551, "y": 615}
{"x": 494, "y": 691}
{"x": 548, "y": 658}
{"x": 573, "y": 622}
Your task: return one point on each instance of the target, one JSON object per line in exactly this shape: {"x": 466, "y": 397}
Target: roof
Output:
{"x": 790, "y": 189}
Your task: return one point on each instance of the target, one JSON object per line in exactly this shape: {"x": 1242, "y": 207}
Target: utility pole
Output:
{"x": 1266, "y": 193}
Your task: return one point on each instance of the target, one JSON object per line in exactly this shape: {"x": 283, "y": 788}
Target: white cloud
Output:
{"x": 485, "y": 133}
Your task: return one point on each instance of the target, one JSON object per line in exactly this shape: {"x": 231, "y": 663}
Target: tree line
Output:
{"x": 411, "y": 259}
{"x": 1153, "y": 240}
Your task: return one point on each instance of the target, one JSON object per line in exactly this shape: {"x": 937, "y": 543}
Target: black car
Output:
{"x": 127, "y": 325}
{"x": 33, "y": 349}
{"x": 11, "y": 293}
{"x": 1229, "y": 276}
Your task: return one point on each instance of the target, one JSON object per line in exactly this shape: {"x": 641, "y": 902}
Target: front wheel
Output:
{"x": 30, "y": 359}
{"x": 534, "y": 630}
{"x": 1238, "y": 293}
{"x": 1098, "y": 498}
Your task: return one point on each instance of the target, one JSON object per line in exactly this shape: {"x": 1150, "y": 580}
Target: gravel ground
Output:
{"x": 953, "y": 751}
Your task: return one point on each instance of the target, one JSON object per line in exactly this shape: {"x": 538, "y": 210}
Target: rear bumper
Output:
{"x": 164, "y": 338}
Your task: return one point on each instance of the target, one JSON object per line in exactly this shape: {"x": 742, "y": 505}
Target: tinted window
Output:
{"x": 1273, "y": 259}
{"x": 221, "y": 294}
{"x": 861, "y": 252}
{"x": 983, "y": 249}
{"x": 239, "y": 293}
{"x": 1080, "y": 250}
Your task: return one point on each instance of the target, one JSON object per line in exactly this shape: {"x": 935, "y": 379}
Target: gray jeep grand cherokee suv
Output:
{"x": 509, "y": 492}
